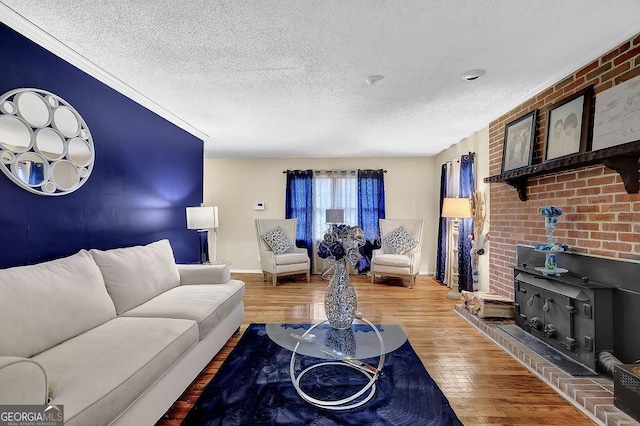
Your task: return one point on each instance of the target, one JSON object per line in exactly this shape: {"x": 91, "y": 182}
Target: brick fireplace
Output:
{"x": 600, "y": 217}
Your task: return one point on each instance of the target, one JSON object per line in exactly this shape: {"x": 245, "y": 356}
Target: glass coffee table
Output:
{"x": 304, "y": 330}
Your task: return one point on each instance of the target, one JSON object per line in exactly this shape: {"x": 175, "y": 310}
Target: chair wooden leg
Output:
{"x": 373, "y": 278}
{"x": 274, "y": 279}
{"x": 308, "y": 276}
{"x": 264, "y": 276}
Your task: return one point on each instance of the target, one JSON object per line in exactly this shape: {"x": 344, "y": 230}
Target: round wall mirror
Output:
{"x": 65, "y": 175}
{"x": 50, "y": 143}
{"x": 33, "y": 108}
{"x": 79, "y": 152}
{"x": 45, "y": 144}
{"x": 31, "y": 168}
{"x": 15, "y": 134}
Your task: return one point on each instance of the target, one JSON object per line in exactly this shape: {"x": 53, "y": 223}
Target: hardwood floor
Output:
{"x": 483, "y": 383}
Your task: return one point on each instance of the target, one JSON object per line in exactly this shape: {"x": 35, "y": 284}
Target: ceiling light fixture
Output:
{"x": 372, "y": 80}
{"x": 473, "y": 75}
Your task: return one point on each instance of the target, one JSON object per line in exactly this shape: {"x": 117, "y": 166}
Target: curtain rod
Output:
{"x": 337, "y": 171}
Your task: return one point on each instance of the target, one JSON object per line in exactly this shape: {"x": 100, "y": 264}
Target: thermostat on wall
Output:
{"x": 258, "y": 205}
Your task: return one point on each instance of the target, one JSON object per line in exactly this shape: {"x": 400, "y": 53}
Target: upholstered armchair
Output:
{"x": 400, "y": 253}
{"x": 279, "y": 255}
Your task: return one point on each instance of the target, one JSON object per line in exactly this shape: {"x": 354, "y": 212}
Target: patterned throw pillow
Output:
{"x": 277, "y": 240}
{"x": 399, "y": 240}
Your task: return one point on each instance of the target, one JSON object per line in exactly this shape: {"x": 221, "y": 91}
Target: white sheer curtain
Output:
{"x": 332, "y": 190}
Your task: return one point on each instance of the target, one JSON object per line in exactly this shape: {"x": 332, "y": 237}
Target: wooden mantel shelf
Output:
{"x": 624, "y": 159}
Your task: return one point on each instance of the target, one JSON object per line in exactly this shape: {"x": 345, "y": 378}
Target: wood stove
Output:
{"x": 575, "y": 313}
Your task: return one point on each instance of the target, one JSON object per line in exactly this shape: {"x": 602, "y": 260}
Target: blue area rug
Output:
{"x": 253, "y": 387}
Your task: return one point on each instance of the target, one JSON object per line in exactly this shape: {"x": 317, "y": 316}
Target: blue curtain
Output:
{"x": 370, "y": 209}
{"x": 441, "y": 252}
{"x": 467, "y": 188}
{"x": 36, "y": 173}
{"x": 298, "y": 205}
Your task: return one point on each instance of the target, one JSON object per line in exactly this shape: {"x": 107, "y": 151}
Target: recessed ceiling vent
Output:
{"x": 473, "y": 75}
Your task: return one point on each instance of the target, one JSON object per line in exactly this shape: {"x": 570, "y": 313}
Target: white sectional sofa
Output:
{"x": 115, "y": 336}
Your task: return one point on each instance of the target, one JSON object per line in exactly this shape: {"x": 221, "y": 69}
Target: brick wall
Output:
{"x": 599, "y": 216}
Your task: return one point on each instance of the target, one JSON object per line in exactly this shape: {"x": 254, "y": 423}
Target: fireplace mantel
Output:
{"x": 624, "y": 159}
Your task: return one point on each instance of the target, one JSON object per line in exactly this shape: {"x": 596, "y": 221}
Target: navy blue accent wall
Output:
{"x": 147, "y": 170}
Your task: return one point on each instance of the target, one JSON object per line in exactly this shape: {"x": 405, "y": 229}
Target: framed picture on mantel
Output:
{"x": 568, "y": 125}
{"x": 617, "y": 116}
{"x": 519, "y": 137}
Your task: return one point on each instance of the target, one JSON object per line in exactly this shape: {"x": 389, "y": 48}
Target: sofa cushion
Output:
{"x": 136, "y": 274}
{"x": 277, "y": 240}
{"x": 206, "y": 304}
{"x": 399, "y": 240}
{"x": 45, "y": 304}
{"x": 98, "y": 374}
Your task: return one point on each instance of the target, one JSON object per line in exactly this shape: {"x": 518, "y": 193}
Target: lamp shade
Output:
{"x": 202, "y": 217}
{"x": 334, "y": 216}
{"x": 456, "y": 208}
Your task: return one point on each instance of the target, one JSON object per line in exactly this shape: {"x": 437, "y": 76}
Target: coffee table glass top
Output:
{"x": 289, "y": 328}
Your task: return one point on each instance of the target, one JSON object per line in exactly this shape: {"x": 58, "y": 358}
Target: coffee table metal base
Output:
{"x": 345, "y": 403}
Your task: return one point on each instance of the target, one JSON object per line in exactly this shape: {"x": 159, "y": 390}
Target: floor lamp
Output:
{"x": 454, "y": 209}
{"x": 204, "y": 219}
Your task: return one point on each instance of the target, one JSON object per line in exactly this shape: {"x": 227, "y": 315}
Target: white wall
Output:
{"x": 411, "y": 190}
{"x": 478, "y": 143}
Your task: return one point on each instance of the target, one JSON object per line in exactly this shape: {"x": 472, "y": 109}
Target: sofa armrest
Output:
{"x": 377, "y": 252}
{"x": 204, "y": 274}
{"x": 22, "y": 381}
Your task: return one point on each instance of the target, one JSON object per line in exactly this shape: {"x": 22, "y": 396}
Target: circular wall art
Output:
{"x": 45, "y": 145}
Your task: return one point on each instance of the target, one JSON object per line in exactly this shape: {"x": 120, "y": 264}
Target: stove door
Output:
{"x": 558, "y": 320}
{"x": 529, "y": 313}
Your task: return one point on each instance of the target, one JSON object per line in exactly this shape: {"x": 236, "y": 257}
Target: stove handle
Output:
{"x": 530, "y": 301}
{"x": 550, "y": 330}
{"x": 545, "y": 307}
{"x": 535, "y": 323}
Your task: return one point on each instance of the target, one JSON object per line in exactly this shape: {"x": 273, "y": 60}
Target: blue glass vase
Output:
{"x": 551, "y": 222}
{"x": 550, "y": 262}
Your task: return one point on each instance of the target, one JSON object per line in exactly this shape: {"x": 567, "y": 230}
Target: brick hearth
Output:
{"x": 592, "y": 395}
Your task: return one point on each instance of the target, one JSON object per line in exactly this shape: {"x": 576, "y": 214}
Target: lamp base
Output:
{"x": 204, "y": 247}
{"x": 454, "y": 294}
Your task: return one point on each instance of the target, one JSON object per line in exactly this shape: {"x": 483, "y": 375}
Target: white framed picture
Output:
{"x": 617, "y": 115}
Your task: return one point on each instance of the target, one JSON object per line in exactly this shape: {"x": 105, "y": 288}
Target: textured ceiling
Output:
{"x": 286, "y": 78}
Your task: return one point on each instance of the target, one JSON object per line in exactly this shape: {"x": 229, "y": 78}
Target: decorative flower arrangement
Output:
{"x": 551, "y": 215}
{"x": 557, "y": 247}
{"x": 550, "y": 249}
{"x": 342, "y": 241}
{"x": 550, "y": 211}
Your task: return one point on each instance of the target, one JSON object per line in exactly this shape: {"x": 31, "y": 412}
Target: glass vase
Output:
{"x": 550, "y": 262}
{"x": 341, "y": 341}
{"x": 551, "y": 222}
{"x": 340, "y": 299}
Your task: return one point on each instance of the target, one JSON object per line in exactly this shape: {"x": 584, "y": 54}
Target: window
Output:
{"x": 332, "y": 190}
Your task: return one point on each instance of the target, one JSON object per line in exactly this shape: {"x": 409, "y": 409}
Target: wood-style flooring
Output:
{"x": 484, "y": 384}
